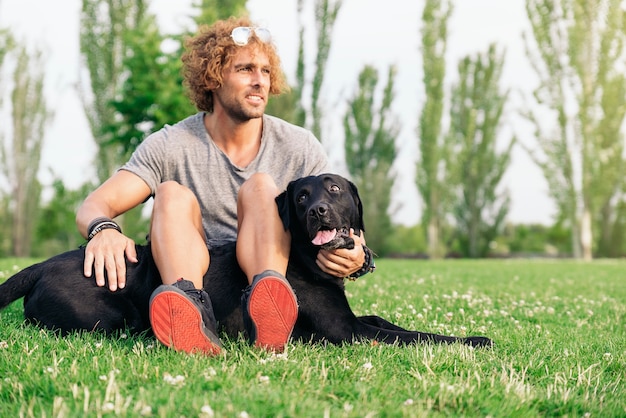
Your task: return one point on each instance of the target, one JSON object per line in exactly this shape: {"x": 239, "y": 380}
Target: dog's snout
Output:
{"x": 318, "y": 210}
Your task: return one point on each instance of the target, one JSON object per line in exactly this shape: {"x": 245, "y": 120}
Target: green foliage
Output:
{"x": 135, "y": 224}
{"x": 7, "y": 43}
{"x": 406, "y": 241}
{"x": 326, "y": 12}
{"x": 56, "y": 224}
{"x": 370, "y": 134}
{"x": 56, "y": 230}
{"x": 20, "y": 157}
{"x": 578, "y": 58}
{"x": 104, "y": 25}
{"x": 613, "y": 233}
{"x": 534, "y": 239}
{"x": 5, "y": 225}
{"x": 432, "y": 171}
{"x": 300, "y": 117}
{"x": 285, "y": 106}
{"x": 476, "y": 109}
{"x": 291, "y": 105}
{"x": 214, "y": 10}
{"x": 557, "y": 326}
{"x": 152, "y": 94}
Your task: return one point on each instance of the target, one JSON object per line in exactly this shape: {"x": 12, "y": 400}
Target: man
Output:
{"x": 214, "y": 177}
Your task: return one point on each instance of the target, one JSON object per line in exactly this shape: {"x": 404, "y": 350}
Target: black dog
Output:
{"x": 319, "y": 212}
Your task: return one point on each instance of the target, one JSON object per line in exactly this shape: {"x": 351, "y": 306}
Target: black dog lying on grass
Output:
{"x": 319, "y": 209}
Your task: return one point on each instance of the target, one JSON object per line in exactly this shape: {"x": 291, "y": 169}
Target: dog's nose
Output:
{"x": 319, "y": 210}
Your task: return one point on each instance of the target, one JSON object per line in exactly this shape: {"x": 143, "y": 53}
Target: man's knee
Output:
{"x": 258, "y": 186}
{"x": 172, "y": 193}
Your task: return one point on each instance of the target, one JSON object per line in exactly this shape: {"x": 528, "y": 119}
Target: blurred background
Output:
{"x": 472, "y": 129}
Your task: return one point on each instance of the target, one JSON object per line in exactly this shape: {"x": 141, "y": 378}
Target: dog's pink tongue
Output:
{"x": 323, "y": 237}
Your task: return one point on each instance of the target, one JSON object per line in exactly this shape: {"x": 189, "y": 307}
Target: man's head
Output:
{"x": 211, "y": 51}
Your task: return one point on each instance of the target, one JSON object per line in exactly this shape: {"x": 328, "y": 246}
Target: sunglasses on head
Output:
{"x": 241, "y": 35}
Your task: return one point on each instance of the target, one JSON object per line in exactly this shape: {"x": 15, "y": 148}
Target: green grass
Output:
{"x": 559, "y": 328}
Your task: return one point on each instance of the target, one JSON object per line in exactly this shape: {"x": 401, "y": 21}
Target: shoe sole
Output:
{"x": 177, "y": 323}
{"x": 273, "y": 309}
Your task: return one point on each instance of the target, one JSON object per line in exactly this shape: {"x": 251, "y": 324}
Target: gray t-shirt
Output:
{"x": 186, "y": 154}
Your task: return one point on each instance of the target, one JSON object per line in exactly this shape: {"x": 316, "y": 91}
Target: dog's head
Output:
{"x": 321, "y": 210}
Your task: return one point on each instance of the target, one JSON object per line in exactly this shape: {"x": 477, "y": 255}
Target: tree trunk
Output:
{"x": 434, "y": 247}
{"x": 586, "y": 235}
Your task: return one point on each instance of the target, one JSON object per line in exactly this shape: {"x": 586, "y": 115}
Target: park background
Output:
{"x": 557, "y": 324}
{"x": 363, "y": 34}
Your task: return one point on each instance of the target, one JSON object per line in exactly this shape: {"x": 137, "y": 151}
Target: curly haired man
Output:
{"x": 214, "y": 177}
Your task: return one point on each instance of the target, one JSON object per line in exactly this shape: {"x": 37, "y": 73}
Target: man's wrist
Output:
{"x": 100, "y": 224}
{"x": 368, "y": 265}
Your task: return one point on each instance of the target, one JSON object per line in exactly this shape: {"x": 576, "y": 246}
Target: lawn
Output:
{"x": 558, "y": 326}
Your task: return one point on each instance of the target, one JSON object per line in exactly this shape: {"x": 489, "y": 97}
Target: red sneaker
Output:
{"x": 182, "y": 318}
{"x": 270, "y": 310}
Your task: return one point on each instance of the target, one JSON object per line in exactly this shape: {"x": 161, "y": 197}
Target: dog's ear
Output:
{"x": 357, "y": 201}
{"x": 285, "y": 203}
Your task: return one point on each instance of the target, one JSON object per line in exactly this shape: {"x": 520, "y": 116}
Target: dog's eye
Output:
{"x": 301, "y": 198}
{"x": 334, "y": 188}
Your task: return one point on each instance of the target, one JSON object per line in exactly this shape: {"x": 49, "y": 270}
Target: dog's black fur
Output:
{"x": 58, "y": 296}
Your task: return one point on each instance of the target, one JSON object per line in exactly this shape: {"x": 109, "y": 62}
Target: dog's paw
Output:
{"x": 478, "y": 342}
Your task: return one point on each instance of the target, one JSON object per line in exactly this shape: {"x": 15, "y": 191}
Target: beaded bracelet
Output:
{"x": 368, "y": 266}
{"x": 100, "y": 224}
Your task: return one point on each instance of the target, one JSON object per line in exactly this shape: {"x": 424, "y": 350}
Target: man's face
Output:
{"x": 246, "y": 83}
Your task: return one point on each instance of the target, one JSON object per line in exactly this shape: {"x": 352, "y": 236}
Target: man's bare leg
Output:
{"x": 180, "y": 311}
{"x": 262, "y": 242}
{"x": 177, "y": 236}
{"x": 271, "y": 307}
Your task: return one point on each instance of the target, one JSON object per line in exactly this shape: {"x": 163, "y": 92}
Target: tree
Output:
{"x": 476, "y": 108}
{"x": 325, "y": 16}
{"x": 21, "y": 158}
{"x": 106, "y": 28}
{"x": 214, "y": 10}
{"x": 431, "y": 179}
{"x": 578, "y": 56}
{"x": 152, "y": 93}
{"x": 103, "y": 28}
{"x": 370, "y": 152}
{"x": 326, "y": 12}
{"x": 6, "y": 45}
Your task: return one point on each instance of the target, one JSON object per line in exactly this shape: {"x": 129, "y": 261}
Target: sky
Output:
{"x": 365, "y": 34}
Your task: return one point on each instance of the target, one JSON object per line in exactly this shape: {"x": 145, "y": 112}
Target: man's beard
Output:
{"x": 240, "y": 112}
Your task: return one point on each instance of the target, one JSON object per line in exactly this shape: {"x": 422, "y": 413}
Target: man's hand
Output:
{"x": 107, "y": 252}
{"x": 343, "y": 262}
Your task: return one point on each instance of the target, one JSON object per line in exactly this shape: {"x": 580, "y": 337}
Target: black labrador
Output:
{"x": 319, "y": 212}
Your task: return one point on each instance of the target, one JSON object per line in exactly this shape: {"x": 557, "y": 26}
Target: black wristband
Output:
{"x": 368, "y": 266}
{"x": 100, "y": 224}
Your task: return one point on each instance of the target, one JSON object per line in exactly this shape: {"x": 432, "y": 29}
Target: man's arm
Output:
{"x": 108, "y": 248}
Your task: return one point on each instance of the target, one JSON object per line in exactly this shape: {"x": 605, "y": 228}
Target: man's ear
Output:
{"x": 357, "y": 201}
{"x": 285, "y": 203}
